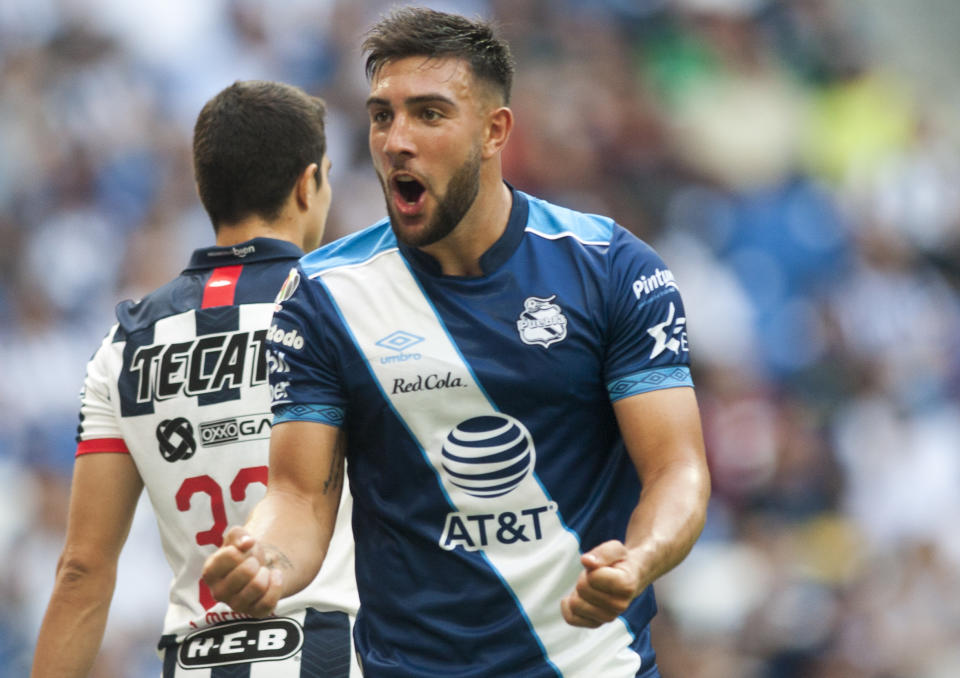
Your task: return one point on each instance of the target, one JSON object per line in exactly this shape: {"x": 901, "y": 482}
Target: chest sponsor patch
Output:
{"x": 207, "y": 364}
{"x": 253, "y": 640}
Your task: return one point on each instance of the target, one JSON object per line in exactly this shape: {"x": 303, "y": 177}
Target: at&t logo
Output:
{"x": 488, "y": 457}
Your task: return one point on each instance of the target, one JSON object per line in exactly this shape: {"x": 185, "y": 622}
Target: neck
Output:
{"x": 459, "y": 253}
{"x": 255, "y": 227}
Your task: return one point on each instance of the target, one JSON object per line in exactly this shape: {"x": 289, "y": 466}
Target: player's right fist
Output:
{"x": 237, "y": 574}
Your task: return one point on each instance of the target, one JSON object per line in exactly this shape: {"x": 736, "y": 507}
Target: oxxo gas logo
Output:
{"x": 235, "y": 429}
{"x": 487, "y": 457}
{"x": 253, "y": 640}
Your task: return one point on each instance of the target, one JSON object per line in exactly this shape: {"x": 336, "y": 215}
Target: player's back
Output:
{"x": 181, "y": 383}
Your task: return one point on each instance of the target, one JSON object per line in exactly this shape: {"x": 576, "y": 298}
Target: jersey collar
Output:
{"x": 499, "y": 251}
{"x": 257, "y": 249}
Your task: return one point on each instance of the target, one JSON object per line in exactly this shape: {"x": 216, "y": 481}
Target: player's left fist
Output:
{"x": 606, "y": 587}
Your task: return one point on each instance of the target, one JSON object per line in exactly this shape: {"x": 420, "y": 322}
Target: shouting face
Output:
{"x": 426, "y": 129}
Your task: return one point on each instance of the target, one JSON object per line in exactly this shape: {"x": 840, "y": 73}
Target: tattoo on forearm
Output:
{"x": 334, "y": 481}
{"x": 275, "y": 558}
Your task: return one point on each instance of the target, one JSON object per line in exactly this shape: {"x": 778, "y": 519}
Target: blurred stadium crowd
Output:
{"x": 805, "y": 193}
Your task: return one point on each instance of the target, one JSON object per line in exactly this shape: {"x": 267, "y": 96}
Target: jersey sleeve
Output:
{"x": 647, "y": 347}
{"x": 304, "y": 377}
{"x": 99, "y": 429}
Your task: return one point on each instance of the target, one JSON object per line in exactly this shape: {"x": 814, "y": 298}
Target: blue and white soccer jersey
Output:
{"x": 483, "y": 452}
{"x": 180, "y": 384}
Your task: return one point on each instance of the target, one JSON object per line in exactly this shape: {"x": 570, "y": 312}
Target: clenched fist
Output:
{"x": 241, "y": 574}
{"x": 606, "y": 587}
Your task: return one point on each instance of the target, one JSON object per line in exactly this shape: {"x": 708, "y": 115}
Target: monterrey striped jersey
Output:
{"x": 483, "y": 452}
{"x": 181, "y": 384}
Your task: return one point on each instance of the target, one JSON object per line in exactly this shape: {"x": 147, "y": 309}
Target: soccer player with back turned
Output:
{"x": 177, "y": 400}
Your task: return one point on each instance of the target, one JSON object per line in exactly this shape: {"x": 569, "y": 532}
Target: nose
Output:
{"x": 399, "y": 139}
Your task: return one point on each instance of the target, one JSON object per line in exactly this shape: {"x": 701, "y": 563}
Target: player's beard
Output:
{"x": 451, "y": 206}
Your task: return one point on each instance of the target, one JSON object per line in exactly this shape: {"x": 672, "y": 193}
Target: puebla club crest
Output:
{"x": 541, "y": 321}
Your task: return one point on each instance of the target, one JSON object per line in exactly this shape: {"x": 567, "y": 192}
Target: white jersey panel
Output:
{"x": 204, "y": 466}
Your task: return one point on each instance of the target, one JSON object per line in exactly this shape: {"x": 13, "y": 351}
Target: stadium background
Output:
{"x": 795, "y": 162}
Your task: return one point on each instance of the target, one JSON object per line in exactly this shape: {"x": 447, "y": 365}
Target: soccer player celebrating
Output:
{"x": 177, "y": 399}
{"x": 522, "y": 435}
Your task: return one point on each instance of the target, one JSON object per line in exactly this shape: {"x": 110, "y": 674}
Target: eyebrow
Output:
{"x": 412, "y": 101}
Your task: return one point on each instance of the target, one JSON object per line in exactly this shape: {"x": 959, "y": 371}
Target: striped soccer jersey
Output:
{"x": 181, "y": 384}
{"x": 483, "y": 452}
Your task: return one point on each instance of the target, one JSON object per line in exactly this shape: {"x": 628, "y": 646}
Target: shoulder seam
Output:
{"x": 567, "y": 234}
{"x": 355, "y": 264}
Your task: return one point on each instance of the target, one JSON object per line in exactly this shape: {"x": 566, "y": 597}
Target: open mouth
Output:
{"x": 410, "y": 189}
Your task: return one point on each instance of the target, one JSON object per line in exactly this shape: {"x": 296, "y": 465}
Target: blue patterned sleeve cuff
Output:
{"x": 322, "y": 414}
{"x": 649, "y": 380}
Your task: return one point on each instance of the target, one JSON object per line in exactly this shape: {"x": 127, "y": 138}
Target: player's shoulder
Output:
{"x": 551, "y": 221}
{"x": 173, "y": 298}
{"x": 257, "y": 269}
{"x": 595, "y": 233}
{"x": 351, "y": 250}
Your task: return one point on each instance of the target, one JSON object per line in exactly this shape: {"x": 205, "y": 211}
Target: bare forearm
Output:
{"x": 661, "y": 431}
{"x": 282, "y": 546}
{"x": 73, "y": 625}
{"x": 97, "y": 527}
{"x": 668, "y": 519}
{"x": 293, "y": 539}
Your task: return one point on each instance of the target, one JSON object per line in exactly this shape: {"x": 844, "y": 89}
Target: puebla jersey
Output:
{"x": 483, "y": 452}
{"x": 180, "y": 383}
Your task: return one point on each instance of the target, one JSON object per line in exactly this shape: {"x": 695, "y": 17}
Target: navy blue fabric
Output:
{"x": 326, "y": 645}
{"x": 168, "y": 645}
{"x": 256, "y": 284}
{"x": 214, "y": 321}
{"x": 231, "y": 671}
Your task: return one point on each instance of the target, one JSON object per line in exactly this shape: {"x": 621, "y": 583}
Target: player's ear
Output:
{"x": 305, "y": 190}
{"x": 499, "y": 123}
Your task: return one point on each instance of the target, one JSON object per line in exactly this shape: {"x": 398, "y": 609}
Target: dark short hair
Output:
{"x": 417, "y": 31}
{"x": 251, "y": 143}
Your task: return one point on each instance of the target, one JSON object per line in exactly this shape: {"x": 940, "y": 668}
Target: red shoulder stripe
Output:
{"x": 114, "y": 445}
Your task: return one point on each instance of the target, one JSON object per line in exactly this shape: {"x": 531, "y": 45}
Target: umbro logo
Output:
{"x": 400, "y": 342}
